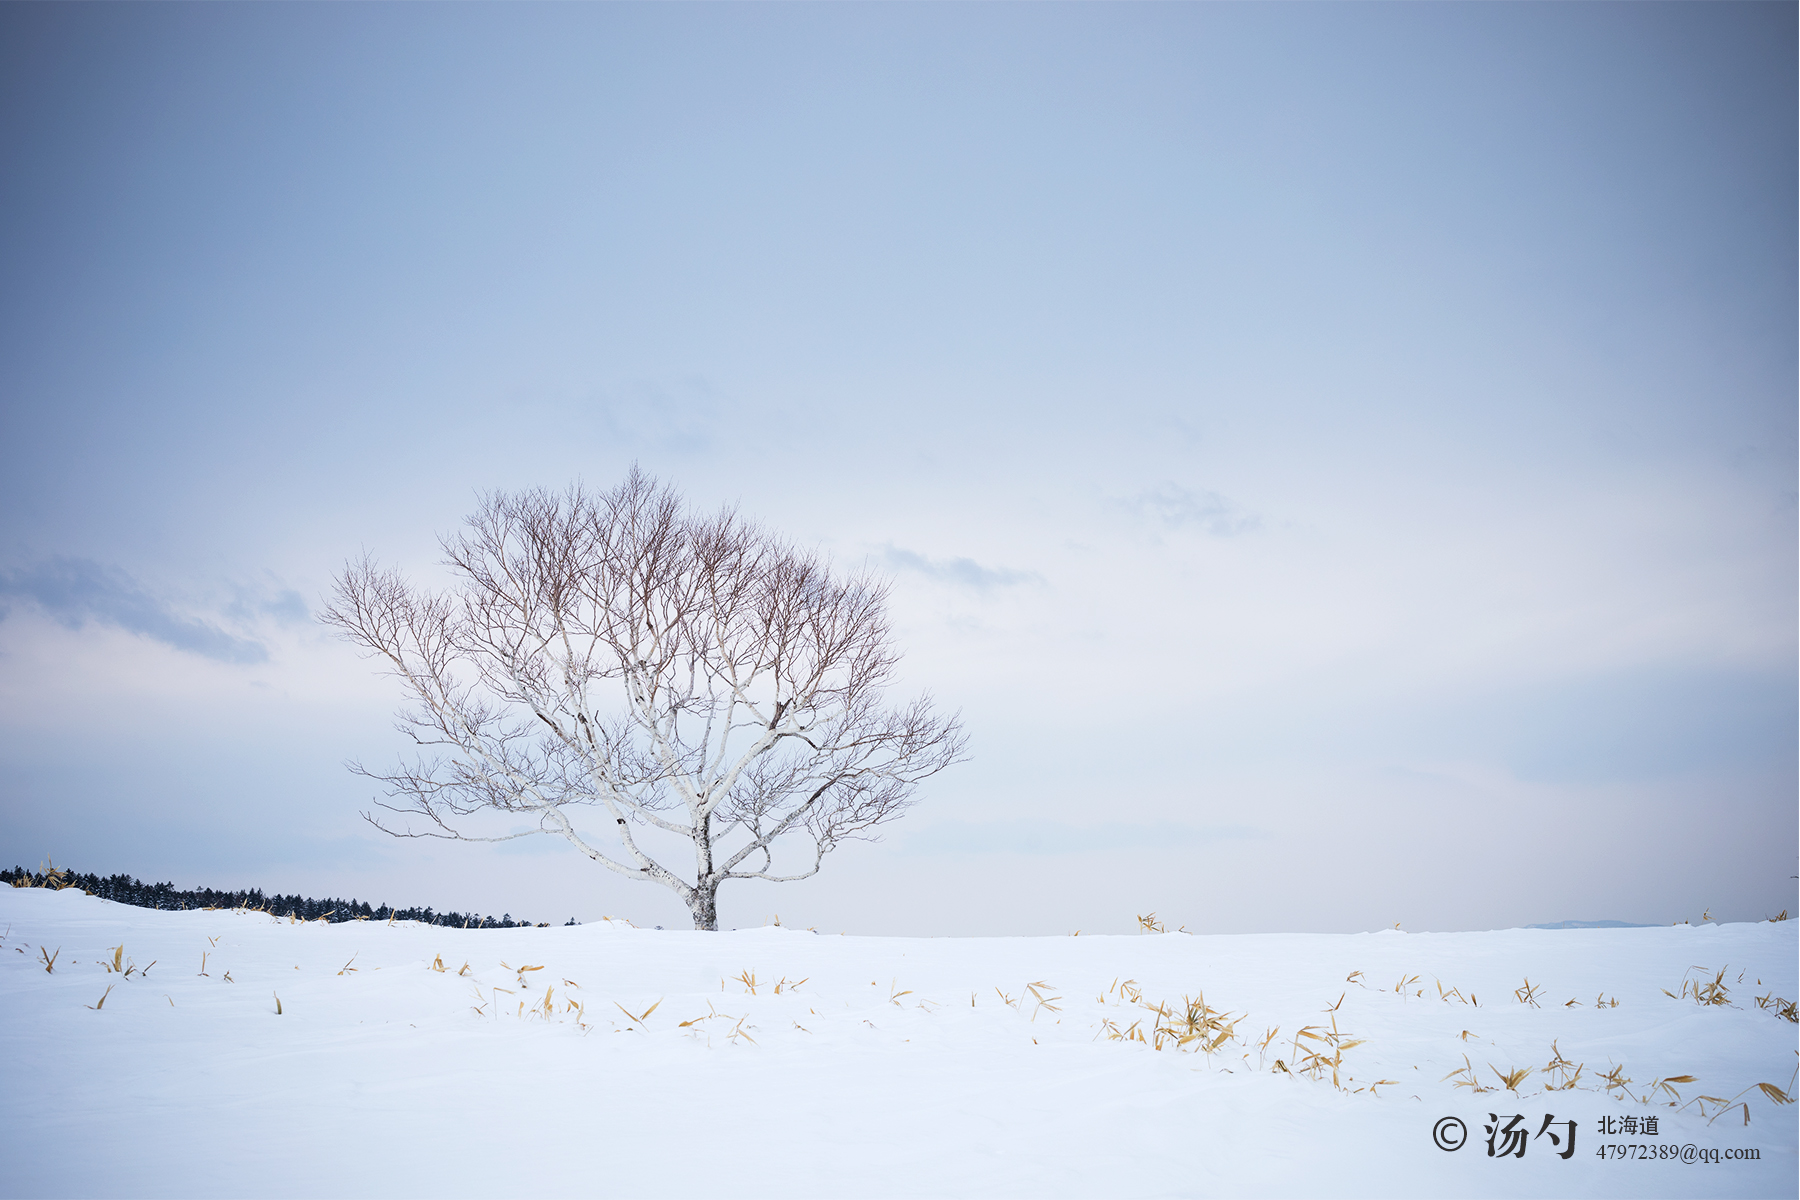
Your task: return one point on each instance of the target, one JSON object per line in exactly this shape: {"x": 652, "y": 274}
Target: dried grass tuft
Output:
{"x": 1314, "y": 1062}
{"x": 1513, "y": 1078}
{"x": 1782, "y": 1008}
{"x": 1562, "y": 1073}
{"x": 1037, "y": 991}
{"x": 1666, "y": 1087}
{"x": 639, "y": 1019}
{"x": 1706, "y": 994}
{"x": 1468, "y": 1078}
{"x": 1774, "y": 1093}
{"x": 1262, "y": 1047}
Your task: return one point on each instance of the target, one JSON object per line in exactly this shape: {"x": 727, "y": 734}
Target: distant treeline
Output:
{"x": 126, "y": 890}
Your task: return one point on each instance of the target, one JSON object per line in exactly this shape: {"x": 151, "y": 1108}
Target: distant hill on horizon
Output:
{"x": 1593, "y": 925}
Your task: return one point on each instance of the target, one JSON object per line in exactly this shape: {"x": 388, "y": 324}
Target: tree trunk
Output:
{"x": 703, "y": 902}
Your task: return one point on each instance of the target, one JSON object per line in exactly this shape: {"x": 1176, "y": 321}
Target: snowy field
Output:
{"x": 605, "y": 1060}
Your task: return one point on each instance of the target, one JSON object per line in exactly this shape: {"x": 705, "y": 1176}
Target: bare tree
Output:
{"x": 695, "y": 678}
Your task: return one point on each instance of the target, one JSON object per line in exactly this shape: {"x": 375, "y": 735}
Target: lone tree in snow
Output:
{"x": 695, "y": 677}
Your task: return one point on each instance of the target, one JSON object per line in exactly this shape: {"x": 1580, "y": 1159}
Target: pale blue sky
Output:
{"x": 1341, "y": 459}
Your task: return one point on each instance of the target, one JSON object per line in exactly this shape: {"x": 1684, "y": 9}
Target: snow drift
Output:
{"x": 228, "y": 1053}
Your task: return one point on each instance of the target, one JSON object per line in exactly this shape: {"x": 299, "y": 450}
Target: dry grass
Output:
{"x": 1262, "y": 1047}
{"x": 1704, "y": 993}
{"x": 1469, "y": 1079}
{"x": 734, "y": 1034}
{"x": 1195, "y": 1026}
{"x": 1037, "y": 991}
{"x": 1661, "y": 1090}
{"x": 1513, "y": 1078}
{"x": 1767, "y": 1089}
{"x": 1315, "y": 1062}
{"x": 1562, "y": 1073}
{"x": 120, "y": 965}
{"x": 637, "y": 1018}
{"x": 712, "y": 1014}
{"x": 1665, "y": 1086}
{"x": 1782, "y": 1008}
{"x": 54, "y": 878}
{"x": 1449, "y": 994}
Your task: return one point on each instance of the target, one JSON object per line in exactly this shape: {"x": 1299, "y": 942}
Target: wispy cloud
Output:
{"x": 1177, "y": 507}
{"x": 75, "y": 591}
{"x": 684, "y": 417}
{"x": 965, "y": 572}
{"x": 286, "y": 606}
{"x": 1055, "y": 837}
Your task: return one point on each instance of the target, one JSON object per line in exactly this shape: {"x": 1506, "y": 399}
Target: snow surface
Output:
{"x": 894, "y": 1069}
